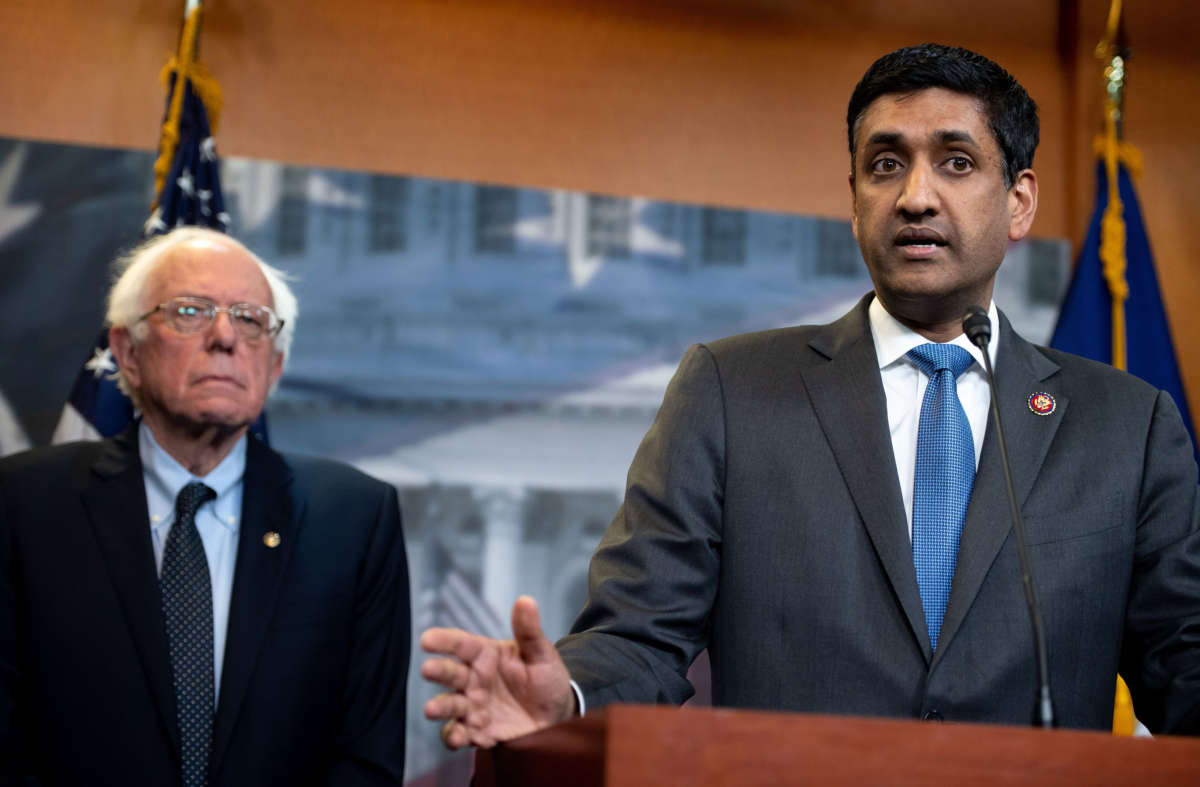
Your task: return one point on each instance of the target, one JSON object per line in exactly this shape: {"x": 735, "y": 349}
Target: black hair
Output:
{"x": 1011, "y": 113}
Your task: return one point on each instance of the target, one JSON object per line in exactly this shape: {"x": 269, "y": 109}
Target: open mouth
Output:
{"x": 919, "y": 241}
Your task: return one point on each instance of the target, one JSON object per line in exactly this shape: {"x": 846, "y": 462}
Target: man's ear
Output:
{"x": 122, "y": 346}
{"x": 276, "y": 368}
{"x": 1022, "y": 204}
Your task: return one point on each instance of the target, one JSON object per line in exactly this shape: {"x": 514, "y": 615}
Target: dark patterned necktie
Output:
{"x": 944, "y": 477}
{"x": 187, "y": 606}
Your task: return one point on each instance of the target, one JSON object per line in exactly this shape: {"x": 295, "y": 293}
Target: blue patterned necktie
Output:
{"x": 187, "y": 607}
{"x": 945, "y": 474}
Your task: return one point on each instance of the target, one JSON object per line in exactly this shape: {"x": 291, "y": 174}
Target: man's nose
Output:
{"x": 919, "y": 196}
{"x": 221, "y": 332}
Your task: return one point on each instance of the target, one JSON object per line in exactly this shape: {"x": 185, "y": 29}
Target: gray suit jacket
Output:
{"x": 763, "y": 519}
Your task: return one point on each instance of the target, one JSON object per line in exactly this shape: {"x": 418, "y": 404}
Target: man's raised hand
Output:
{"x": 496, "y": 689}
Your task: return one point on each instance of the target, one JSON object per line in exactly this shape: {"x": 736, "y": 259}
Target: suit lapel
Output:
{"x": 1020, "y": 371}
{"x": 120, "y": 519}
{"x": 847, "y": 396}
{"x": 267, "y": 507}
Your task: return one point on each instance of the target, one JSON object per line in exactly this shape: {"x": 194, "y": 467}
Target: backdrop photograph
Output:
{"x": 494, "y": 352}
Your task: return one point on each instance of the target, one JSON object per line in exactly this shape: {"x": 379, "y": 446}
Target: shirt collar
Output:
{"x": 165, "y": 477}
{"x": 893, "y": 339}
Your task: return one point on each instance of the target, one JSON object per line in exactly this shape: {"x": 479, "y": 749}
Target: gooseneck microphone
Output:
{"x": 978, "y": 329}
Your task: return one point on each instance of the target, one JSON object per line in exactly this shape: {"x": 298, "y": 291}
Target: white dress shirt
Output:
{"x": 218, "y": 522}
{"x": 904, "y": 388}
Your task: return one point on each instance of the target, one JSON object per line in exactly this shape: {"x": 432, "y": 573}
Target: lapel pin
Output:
{"x": 1041, "y": 403}
{"x": 271, "y": 539}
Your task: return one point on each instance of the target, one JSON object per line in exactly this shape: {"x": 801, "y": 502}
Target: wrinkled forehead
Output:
{"x": 221, "y": 272}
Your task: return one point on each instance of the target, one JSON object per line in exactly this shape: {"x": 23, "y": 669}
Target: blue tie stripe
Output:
{"x": 944, "y": 477}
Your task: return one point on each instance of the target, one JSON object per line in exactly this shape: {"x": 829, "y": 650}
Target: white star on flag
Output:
{"x": 208, "y": 149}
{"x": 101, "y": 362}
{"x": 154, "y": 224}
{"x": 185, "y": 183}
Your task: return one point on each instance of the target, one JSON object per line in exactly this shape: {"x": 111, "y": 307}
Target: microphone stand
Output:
{"x": 978, "y": 329}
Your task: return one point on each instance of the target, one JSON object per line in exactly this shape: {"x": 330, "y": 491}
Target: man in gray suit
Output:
{"x": 789, "y": 509}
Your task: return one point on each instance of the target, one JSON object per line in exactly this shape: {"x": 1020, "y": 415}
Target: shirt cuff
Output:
{"x": 579, "y": 698}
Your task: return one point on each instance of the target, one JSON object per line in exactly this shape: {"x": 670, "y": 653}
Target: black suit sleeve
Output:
{"x": 15, "y": 767}
{"x": 1160, "y": 658}
{"x": 369, "y": 748}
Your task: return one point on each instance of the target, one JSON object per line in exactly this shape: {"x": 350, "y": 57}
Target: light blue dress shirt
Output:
{"x": 218, "y": 522}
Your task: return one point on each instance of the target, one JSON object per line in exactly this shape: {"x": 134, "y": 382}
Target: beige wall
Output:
{"x": 737, "y": 102}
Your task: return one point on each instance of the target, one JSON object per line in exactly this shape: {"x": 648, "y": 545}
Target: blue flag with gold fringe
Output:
{"x": 1113, "y": 310}
{"x": 1085, "y": 323}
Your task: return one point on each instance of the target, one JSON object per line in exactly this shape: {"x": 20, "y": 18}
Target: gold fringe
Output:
{"x": 1112, "y": 246}
{"x": 1112, "y": 224}
{"x": 204, "y": 85}
{"x": 186, "y": 68}
{"x": 1127, "y": 154}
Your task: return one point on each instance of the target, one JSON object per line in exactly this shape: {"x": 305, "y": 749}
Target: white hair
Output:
{"x": 128, "y": 298}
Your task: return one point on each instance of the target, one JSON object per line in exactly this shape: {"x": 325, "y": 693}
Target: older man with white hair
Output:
{"x": 181, "y": 604}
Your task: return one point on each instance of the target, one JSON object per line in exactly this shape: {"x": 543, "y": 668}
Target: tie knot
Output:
{"x": 933, "y": 358}
{"x": 191, "y": 497}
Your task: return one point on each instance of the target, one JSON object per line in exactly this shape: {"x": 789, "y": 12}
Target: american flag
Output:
{"x": 187, "y": 192}
{"x": 187, "y": 179}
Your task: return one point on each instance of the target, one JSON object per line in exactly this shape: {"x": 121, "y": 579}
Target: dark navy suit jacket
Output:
{"x": 316, "y": 658}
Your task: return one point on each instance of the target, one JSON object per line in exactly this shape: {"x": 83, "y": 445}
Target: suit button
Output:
{"x": 931, "y": 715}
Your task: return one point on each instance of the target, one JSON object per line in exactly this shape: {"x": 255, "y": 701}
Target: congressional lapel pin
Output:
{"x": 271, "y": 539}
{"x": 1041, "y": 403}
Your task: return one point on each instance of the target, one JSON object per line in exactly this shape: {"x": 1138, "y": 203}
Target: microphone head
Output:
{"x": 977, "y": 326}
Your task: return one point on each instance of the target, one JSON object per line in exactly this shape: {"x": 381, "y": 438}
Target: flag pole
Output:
{"x": 1114, "y": 50}
{"x": 187, "y": 192}
{"x": 182, "y": 65}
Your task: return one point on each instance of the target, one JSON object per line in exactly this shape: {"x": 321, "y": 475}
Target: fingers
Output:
{"x": 494, "y": 689}
{"x": 458, "y": 736}
{"x": 461, "y": 644}
{"x": 465, "y": 726}
{"x": 448, "y": 706}
{"x": 446, "y": 672}
{"x": 527, "y": 631}
{"x": 454, "y": 736}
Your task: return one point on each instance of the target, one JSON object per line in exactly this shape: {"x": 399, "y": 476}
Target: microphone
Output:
{"x": 978, "y": 329}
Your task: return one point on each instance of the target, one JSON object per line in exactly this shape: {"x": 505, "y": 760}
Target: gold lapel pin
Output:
{"x": 271, "y": 539}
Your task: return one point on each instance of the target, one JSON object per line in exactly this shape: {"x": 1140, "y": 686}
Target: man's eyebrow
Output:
{"x": 884, "y": 138}
{"x": 951, "y": 137}
{"x": 942, "y": 137}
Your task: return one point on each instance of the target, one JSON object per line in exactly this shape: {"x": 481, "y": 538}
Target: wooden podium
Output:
{"x": 643, "y": 745}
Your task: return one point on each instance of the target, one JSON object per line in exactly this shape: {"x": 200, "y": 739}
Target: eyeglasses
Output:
{"x": 193, "y": 315}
